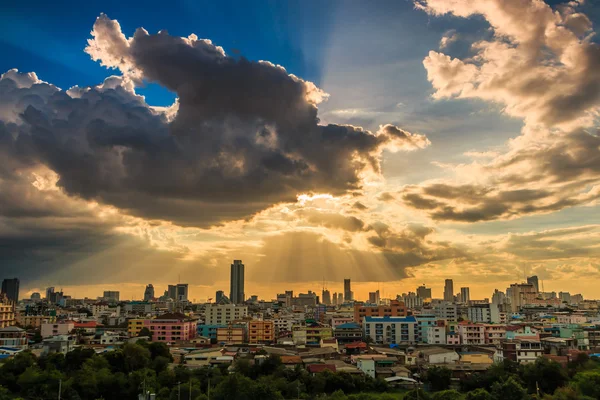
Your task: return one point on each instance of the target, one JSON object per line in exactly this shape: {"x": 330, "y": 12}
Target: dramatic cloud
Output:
{"x": 242, "y": 136}
{"x": 542, "y": 67}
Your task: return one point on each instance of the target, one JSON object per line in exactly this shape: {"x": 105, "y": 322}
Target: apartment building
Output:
{"x": 223, "y": 314}
{"x": 61, "y": 328}
{"x": 494, "y": 334}
{"x": 311, "y": 334}
{"x": 34, "y": 321}
{"x": 134, "y": 326}
{"x": 436, "y": 335}
{"x": 445, "y": 310}
{"x": 348, "y": 333}
{"x": 391, "y": 330}
{"x": 394, "y": 309}
{"x": 261, "y": 332}
{"x": 170, "y": 327}
{"x": 232, "y": 334}
{"x": 522, "y": 351}
{"x": 471, "y": 333}
{"x": 13, "y": 337}
{"x": 7, "y": 311}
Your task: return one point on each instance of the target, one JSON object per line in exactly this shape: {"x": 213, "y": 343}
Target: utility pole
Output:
{"x": 59, "y": 388}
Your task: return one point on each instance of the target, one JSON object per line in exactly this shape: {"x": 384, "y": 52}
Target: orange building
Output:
{"x": 7, "y": 311}
{"x": 260, "y": 332}
{"x": 394, "y": 309}
{"x": 232, "y": 334}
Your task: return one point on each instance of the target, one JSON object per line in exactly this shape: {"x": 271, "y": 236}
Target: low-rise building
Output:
{"x": 134, "y": 326}
{"x": 522, "y": 351}
{"x": 209, "y": 331}
{"x": 394, "y": 309}
{"x": 34, "y": 321}
{"x": 170, "y": 327}
{"x": 391, "y": 330}
{"x": 311, "y": 334}
{"x": 348, "y": 333}
{"x": 232, "y": 334}
{"x": 7, "y": 311}
{"x": 13, "y": 337}
{"x": 58, "y": 344}
{"x": 223, "y": 314}
{"x": 470, "y": 333}
{"x": 261, "y": 332}
{"x": 475, "y": 357}
{"x": 138, "y": 307}
{"x": 437, "y": 355}
{"x": 494, "y": 334}
{"x": 60, "y": 328}
{"x": 436, "y": 335}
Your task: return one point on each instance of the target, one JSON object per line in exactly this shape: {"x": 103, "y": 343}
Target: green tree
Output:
{"x": 588, "y": 383}
{"x": 135, "y": 357}
{"x": 446, "y": 395}
{"x": 478, "y": 394}
{"x": 159, "y": 349}
{"x": 545, "y": 374}
{"x": 416, "y": 394}
{"x": 439, "y": 378}
{"x": 509, "y": 389}
{"x": 145, "y": 332}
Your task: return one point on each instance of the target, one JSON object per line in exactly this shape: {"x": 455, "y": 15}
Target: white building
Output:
{"x": 59, "y": 344}
{"x": 480, "y": 313}
{"x": 445, "y": 310}
{"x": 222, "y": 314}
{"x": 391, "y": 330}
{"x": 472, "y": 334}
{"x": 438, "y": 355}
{"x": 50, "y": 329}
{"x": 436, "y": 335}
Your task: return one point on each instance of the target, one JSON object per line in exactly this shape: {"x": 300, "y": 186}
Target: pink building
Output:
{"x": 60, "y": 328}
{"x": 171, "y": 327}
{"x": 452, "y": 338}
{"x": 495, "y": 334}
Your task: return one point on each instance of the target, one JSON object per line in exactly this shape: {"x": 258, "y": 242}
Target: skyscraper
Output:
{"x": 181, "y": 292}
{"x": 465, "y": 296}
{"x": 149, "y": 292}
{"x": 424, "y": 293}
{"x": 219, "y": 296}
{"x": 49, "y": 293}
{"x": 326, "y": 297}
{"x": 347, "y": 290}
{"x": 111, "y": 295}
{"x": 236, "y": 292}
{"x": 449, "y": 290}
{"x": 533, "y": 280}
{"x": 10, "y": 287}
{"x": 340, "y": 299}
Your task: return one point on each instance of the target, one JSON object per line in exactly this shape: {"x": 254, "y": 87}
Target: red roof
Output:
{"x": 314, "y": 368}
{"x": 356, "y": 345}
{"x": 291, "y": 360}
{"x": 89, "y": 324}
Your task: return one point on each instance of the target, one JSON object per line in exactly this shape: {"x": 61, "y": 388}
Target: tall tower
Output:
{"x": 465, "y": 294}
{"x": 10, "y": 287}
{"x": 149, "y": 292}
{"x": 236, "y": 292}
{"x": 347, "y": 290}
{"x": 449, "y": 290}
{"x": 533, "y": 280}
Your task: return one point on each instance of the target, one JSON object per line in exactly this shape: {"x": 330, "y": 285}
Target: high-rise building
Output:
{"x": 181, "y": 292}
{"x": 424, "y": 293}
{"x": 49, "y": 293}
{"x": 236, "y": 292}
{"x": 219, "y": 296}
{"x": 347, "y": 290}
{"x": 149, "y": 292}
{"x": 111, "y": 295}
{"x": 326, "y": 297}
{"x": 498, "y": 297}
{"x": 36, "y": 296}
{"x": 517, "y": 295}
{"x": 10, "y": 287}
{"x": 172, "y": 292}
{"x": 449, "y": 290}
{"x": 374, "y": 297}
{"x": 565, "y": 297}
{"x": 334, "y": 299}
{"x": 534, "y": 281}
{"x": 340, "y": 298}
{"x": 465, "y": 296}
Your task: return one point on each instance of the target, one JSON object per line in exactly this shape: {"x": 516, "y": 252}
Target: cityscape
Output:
{"x": 300, "y": 199}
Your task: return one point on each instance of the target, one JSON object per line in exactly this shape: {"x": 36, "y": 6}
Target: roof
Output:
{"x": 314, "y": 368}
{"x": 176, "y": 316}
{"x": 400, "y": 378}
{"x": 87, "y": 324}
{"x": 429, "y": 351}
{"x": 329, "y": 340}
{"x": 11, "y": 329}
{"x": 356, "y": 345}
{"x": 291, "y": 360}
{"x": 348, "y": 325}
{"x": 391, "y": 319}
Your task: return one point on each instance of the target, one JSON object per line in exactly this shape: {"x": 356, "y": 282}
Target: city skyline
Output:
{"x": 463, "y": 145}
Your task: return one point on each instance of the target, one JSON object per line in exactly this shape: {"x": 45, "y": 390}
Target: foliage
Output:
{"x": 439, "y": 378}
{"x": 145, "y": 332}
{"x": 588, "y": 383}
{"x": 478, "y": 394}
{"x": 543, "y": 374}
{"x": 446, "y": 395}
{"x": 509, "y": 389}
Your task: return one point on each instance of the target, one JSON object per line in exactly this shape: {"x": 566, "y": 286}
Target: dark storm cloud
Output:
{"x": 243, "y": 136}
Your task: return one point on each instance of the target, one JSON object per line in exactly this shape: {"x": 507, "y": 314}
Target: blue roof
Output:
{"x": 348, "y": 325}
{"x": 391, "y": 319}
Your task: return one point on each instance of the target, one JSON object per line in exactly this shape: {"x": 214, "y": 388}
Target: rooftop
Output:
{"x": 390, "y": 319}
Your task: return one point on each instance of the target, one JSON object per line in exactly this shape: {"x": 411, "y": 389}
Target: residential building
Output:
{"x": 283, "y": 324}
{"x": 305, "y": 299}
{"x": 10, "y": 287}
{"x": 13, "y": 337}
{"x": 452, "y": 338}
{"x": 518, "y": 295}
{"x": 97, "y": 308}
{"x": 424, "y": 322}
{"x": 34, "y": 321}
{"x": 231, "y": 334}
{"x": 348, "y": 333}
{"x": 437, "y": 355}
{"x": 149, "y": 292}
{"x": 223, "y": 314}
{"x": 436, "y": 335}
{"x": 134, "y": 326}
{"x": 391, "y": 329}
{"x": 336, "y": 321}
{"x": 374, "y": 297}
{"x": 261, "y": 332}
{"x": 412, "y": 300}
{"x": 533, "y": 280}
{"x": 522, "y": 351}
{"x": 480, "y": 313}
{"x": 465, "y": 295}
{"x": 170, "y": 327}
{"x": 111, "y": 296}
{"x": 347, "y": 290}
{"x": 445, "y": 310}
{"x": 311, "y": 334}
{"x": 340, "y": 298}
{"x": 209, "y": 331}
{"x": 494, "y": 334}
{"x": 498, "y": 298}
{"x": 54, "y": 329}
{"x": 178, "y": 292}
{"x": 424, "y": 293}
{"x": 59, "y": 344}
{"x": 449, "y": 290}
{"x": 236, "y": 292}
{"x": 565, "y": 297}
{"x": 471, "y": 333}
{"x": 475, "y": 357}
{"x": 394, "y": 309}
{"x": 7, "y": 311}
{"x": 138, "y": 307}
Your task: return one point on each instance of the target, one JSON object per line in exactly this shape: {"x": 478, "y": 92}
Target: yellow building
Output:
{"x": 134, "y": 326}
{"x": 260, "y": 332}
{"x": 34, "y": 321}
{"x": 232, "y": 334}
{"x": 311, "y": 335}
{"x": 475, "y": 358}
{"x": 7, "y": 312}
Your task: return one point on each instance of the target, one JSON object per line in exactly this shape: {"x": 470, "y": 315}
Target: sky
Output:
{"x": 395, "y": 143}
